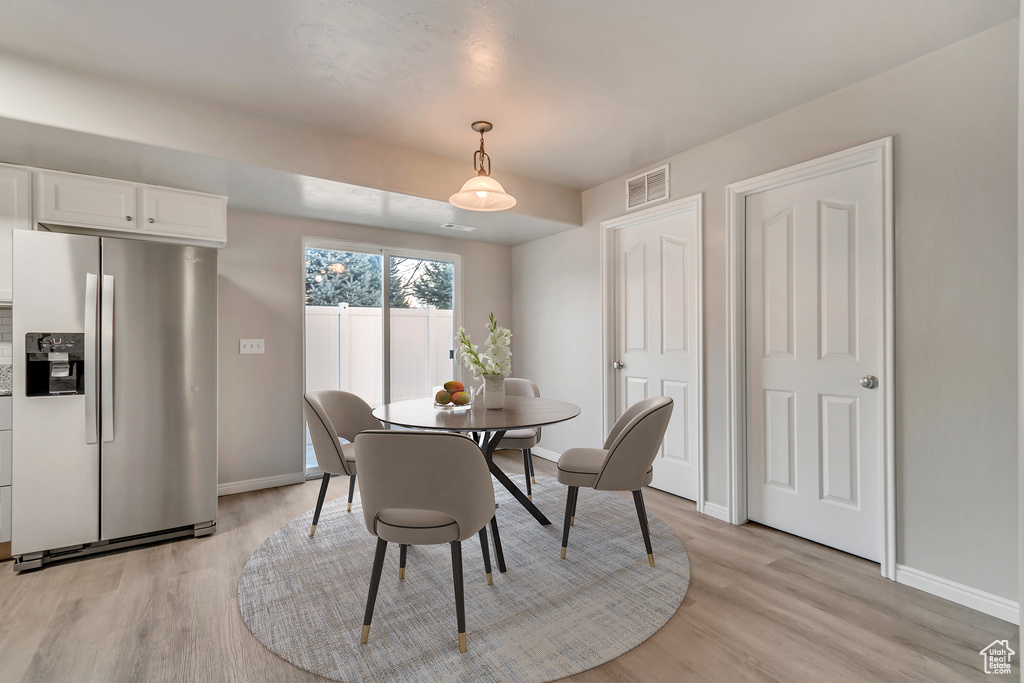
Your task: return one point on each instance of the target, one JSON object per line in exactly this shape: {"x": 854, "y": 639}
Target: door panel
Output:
{"x": 814, "y": 437}
{"x": 635, "y": 300}
{"x": 839, "y": 453}
{"x": 656, "y": 271}
{"x": 160, "y": 470}
{"x": 780, "y": 440}
{"x": 674, "y": 305}
{"x": 55, "y": 472}
{"x": 677, "y": 436}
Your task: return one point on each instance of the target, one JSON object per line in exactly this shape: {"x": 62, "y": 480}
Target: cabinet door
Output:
{"x": 5, "y": 458}
{"x": 15, "y": 200}
{"x": 91, "y": 202}
{"x": 187, "y": 214}
{"x": 5, "y": 514}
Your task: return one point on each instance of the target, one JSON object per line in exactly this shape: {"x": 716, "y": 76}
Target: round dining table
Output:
{"x": 488, "y": 427}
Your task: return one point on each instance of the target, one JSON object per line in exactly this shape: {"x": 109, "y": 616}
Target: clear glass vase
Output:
{"x": 494, "y": 392}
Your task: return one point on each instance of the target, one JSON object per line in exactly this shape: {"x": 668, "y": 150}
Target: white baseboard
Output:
{"x": 546, "y": 454}
{"x": 998, "y": 607}
{"x": 717, "y": 511}
{"x": 260, "y": 483}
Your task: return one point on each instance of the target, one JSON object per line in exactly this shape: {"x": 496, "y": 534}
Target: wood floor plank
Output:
{"x": 762, "y": 606}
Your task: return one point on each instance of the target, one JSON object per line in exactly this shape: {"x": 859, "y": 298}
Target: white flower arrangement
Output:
{"x": 497, "y": 360}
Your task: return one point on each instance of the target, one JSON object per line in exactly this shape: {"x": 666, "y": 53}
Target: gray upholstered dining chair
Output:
{"x": 423, "y": 488}
{"x": 623, "y": 464}
{"x": 332, "y": 416}
{"x": 521, "y": 439}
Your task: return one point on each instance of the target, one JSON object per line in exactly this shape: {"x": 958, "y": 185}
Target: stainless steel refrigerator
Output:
{"x": 115, "y": 394}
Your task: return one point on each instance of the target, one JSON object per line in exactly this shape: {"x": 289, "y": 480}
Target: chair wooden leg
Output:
{"x": 487, "y": 554}
{"x": 402, "y": 547}
{"x": 575, "y": 500}
{"x": 460, "y": 598}
{"x": 498, "y": 554}
{"x": 641, "y": 513}
{"x": 532, "y": 475}
{"x": 526, "y": 470}
{"x": 320, "y": 502}
{"x": 570, "y": 503}
{"x": 371, "y": 599}
{"x": 351, "y": 491}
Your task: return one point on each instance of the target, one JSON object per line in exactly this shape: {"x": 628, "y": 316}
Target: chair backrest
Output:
{"x": 331, "y": 414}
{"x": 514, "y": 386}
{"x": 633, "y": 444}
{"x": 517, "y": 386}
{"x": 436, "y": 471}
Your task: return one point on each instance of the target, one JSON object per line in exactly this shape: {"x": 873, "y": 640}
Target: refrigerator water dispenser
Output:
{"x": 55, "y": 364}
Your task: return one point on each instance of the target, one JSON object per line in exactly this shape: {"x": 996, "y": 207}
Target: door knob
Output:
{"x": 869, "y": 381}
{"x": 618, "y": 365}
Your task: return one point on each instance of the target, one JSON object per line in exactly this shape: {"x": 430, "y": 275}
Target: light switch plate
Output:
{"x": 250, "y": 346}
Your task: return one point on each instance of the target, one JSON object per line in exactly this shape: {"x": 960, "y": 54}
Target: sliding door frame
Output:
{"x": 385, "y": 252}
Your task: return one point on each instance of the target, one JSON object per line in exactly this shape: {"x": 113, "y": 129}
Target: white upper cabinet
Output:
{"x": 152, "y": 212}
{"x": 188, "y": 214}
{"x": 15, "y": 214}
{"x": 70, "y": 199}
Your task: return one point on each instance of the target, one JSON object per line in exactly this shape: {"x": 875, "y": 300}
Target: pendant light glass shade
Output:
{"x": 482, "y": 193}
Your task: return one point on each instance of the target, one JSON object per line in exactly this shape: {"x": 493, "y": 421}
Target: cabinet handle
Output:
{"x": 152, "y": 220}
{"x": 128, "y": 218}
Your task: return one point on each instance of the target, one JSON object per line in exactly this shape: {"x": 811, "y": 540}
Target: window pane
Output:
{"x": 343, "y": 326}
{"x": 421, "y": 296}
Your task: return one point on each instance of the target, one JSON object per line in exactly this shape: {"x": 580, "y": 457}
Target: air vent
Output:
{"x": 647, "y": 188}
{"x": 460, "y": 228}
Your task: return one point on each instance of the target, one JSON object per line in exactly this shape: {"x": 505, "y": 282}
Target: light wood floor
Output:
{"x": 762, "y": 605}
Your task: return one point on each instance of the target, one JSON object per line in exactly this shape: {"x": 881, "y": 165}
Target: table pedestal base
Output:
{"x": 488, "y": 444}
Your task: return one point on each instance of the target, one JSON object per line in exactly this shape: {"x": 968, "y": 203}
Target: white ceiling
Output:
{"x": 580, "y": 91}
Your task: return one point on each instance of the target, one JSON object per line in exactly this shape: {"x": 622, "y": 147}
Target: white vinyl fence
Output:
{"x": 344, "y": 351}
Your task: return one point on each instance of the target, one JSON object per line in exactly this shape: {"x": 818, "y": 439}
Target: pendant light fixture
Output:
{"x": 482, "y": 192}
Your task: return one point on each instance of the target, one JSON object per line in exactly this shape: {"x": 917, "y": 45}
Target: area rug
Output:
{"x": 543, "y": 619}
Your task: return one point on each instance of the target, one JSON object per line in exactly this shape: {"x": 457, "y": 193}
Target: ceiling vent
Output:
{"x": 460, "y": 228}
{"x": 647, "y": 188}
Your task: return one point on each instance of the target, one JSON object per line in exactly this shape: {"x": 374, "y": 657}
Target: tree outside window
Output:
{"x": 353, "y": 278}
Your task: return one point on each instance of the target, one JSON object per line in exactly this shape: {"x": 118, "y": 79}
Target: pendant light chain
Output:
{"x": 479, "y": 157}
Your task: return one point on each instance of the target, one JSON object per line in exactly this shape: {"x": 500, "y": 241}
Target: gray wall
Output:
{"x": 953, "y": 114}
{"x": 261, "y": 296}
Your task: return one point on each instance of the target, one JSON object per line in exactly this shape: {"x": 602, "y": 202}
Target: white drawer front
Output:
{"x": 5, "y": 458}
{"x": 6, "y": 405}
{"x": 5, "y": 514}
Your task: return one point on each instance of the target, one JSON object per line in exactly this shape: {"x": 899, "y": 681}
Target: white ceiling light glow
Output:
{"x": 482, "y": 192}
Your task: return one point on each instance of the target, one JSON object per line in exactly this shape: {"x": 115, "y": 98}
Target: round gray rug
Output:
{"x": 543, "y": 619}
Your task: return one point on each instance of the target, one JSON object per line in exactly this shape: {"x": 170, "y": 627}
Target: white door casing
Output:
{"x": 654, "y": 261}
{"x": 796, "y": 356}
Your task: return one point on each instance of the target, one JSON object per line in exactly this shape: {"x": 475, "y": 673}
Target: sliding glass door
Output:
{"x": 381, "y": 348}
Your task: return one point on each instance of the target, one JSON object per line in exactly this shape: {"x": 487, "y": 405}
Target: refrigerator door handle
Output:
{"x": 91, "y": 426}
{"x": 107, "y": 358}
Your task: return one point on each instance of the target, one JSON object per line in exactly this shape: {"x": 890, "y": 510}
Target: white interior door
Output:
{"x": 657, "y": 330}
{"x": 814, "y": 310}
